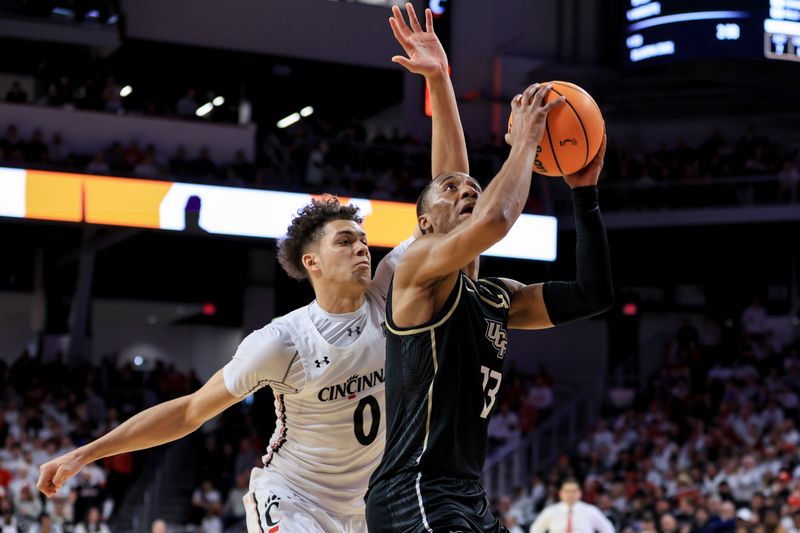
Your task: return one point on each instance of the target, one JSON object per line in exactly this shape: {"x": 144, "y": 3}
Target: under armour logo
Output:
{"x": 350, "y": 331}
{"x": 324, "y": 360}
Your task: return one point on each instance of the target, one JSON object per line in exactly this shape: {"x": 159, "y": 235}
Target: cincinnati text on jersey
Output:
{"x": 351, "y": 387}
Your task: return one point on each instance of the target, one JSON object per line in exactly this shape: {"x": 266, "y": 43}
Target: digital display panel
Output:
{"x": 665, "y": 31}
{"x": 166, "y": 205}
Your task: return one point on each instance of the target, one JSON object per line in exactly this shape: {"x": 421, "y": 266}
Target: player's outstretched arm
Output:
{"x": 500, "y": 205}
{"x": 544, "y": 305}
{"x": 426, "y": 56}
{"x": 160, "y": 424}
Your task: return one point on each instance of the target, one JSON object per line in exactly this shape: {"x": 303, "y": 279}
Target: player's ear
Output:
{"x": 425, "y": 225}
{"x": 311, "y": 262}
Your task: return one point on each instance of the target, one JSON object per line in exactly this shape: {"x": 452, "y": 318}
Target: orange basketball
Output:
{"x": 573, "y": 134}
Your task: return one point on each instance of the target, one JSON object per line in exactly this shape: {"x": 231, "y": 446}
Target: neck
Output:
{"x": 336, "y": 300}
{"x": 471, "y": 270}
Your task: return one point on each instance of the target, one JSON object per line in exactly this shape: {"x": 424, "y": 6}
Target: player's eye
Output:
{"x": 450, "y": 187}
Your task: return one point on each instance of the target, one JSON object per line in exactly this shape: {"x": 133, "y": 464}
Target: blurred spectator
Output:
{"x": 58, "y": 151}
{"x": 45, "y": 525}
{"x": 234, "y": 511}
{"x": 36, "y": 149}
{"x": 98, "y": 165}
{"x": 179, "y": 165}
{"x": 205, "y": 499}
{"x": 60, "y": 93}
{"x": 159, "y": 526}
{"x": 112, "y": 100}
{"x": 92, "y": 523}
{"x": 754, "y": 319}
{"x": 203, "y": 167}
{"x": 572, "y": 515}
{"x": 8, "y": 521}
{"x": 212, "y": 523}
{"x": 146, "y": 168}
{"x": 132, "y": 155}
{"x": 12, "y": 145}
{"x": 16, "y": 95}
{"x": 503, "y": 426}
{"x": 187, "y": 104}
{"x": 540, "y": 396}
{"x": 788, "y": 180}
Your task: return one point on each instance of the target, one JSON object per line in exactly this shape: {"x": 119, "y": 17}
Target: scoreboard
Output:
{"x": 665, "y": 31}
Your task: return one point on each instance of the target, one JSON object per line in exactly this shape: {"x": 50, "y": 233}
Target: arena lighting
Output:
{"x": 209, "y": 309}
{"x": 126, "y": 91}
{"x": 236, "y": 211}
{"x": 436, "y": 6}
{"x": 204, "y": 109}
{"x": 306, "y": 111}
{"x": 138, "y": 360}
{"x": 218, "y": 101}
{"x": 630, "y": 309}
{"x": 288, "y": 121}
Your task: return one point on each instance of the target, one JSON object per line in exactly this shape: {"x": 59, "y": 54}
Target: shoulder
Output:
{"x": 508, "y": 286}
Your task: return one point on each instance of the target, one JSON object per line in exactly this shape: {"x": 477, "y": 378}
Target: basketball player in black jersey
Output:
{"x": 447, "y": 332}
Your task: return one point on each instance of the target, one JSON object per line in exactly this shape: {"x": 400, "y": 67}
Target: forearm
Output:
{"x": 507, "y": 193}
{"x": 448, "y": 145}
{"x": 592, "y": 291}
{"x": 160, "y": 424}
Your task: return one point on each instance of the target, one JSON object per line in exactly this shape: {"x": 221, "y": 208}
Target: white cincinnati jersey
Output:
{"x": 329, "y": 394}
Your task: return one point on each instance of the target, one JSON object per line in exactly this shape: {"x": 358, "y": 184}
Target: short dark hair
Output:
{"x": 422, "y": 199}
{"x": 306, "y": 228}
{"x": 569, "y": 481}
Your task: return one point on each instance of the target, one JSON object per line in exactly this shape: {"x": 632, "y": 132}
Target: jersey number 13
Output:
{"x": 491, "y": 384}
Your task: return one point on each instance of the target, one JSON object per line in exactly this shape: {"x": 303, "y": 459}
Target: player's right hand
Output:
{"x": 529, "y": 115}
{"x": 53, "y": 474}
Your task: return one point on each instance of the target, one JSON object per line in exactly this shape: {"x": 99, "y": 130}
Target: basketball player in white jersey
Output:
{"x": 323, "y": 361}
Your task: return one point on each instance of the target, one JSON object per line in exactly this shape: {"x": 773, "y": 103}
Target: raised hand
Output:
{"x": 530, "y": 115}
{"x": 425, "y": 53}
{"x": 590, "y": 174}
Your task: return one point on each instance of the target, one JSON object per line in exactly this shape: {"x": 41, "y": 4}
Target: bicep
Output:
{"x": 528, "y": 310}
{"x": 210, "y": 400}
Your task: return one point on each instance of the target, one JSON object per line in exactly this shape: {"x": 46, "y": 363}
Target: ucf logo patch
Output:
{"x": 497, "y": 336}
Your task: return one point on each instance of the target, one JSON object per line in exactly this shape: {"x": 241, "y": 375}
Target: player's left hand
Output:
{"x": 590, "y": 174}
{"x": 425, "y": 53}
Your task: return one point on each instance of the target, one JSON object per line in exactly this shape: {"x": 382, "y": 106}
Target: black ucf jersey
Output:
{"x": 442, "y": 380}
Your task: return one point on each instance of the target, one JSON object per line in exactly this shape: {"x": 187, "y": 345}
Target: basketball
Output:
{"x": 573, "y": 134}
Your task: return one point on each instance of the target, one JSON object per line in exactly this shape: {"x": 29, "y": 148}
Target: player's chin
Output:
{"x": 363, "y": 277}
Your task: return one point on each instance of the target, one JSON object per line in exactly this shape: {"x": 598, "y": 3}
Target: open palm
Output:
{"x": 425, "y": 53}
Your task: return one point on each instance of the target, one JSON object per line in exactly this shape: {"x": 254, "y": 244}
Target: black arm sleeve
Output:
{"x": 592, "y": 292}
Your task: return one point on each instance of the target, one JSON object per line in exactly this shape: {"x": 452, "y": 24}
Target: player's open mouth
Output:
{"x": 467, "y": 209}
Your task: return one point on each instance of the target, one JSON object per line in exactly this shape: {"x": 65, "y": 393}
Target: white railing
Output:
{"x": 512, "y": 465}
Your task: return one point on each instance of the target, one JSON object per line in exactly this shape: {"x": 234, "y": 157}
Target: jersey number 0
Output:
{"x": 365, "y": 439}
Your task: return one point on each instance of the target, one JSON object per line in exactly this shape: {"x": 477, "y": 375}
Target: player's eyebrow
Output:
{"x": 350, "y": 233}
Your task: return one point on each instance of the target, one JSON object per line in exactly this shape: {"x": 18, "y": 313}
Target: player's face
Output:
{"x": 343, "y": 255}
{"x": 451, "y": 200}
{"x": 570, "y": 493}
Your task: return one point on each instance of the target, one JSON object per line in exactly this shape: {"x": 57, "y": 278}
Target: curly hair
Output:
{"x": 306, "y": 228}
